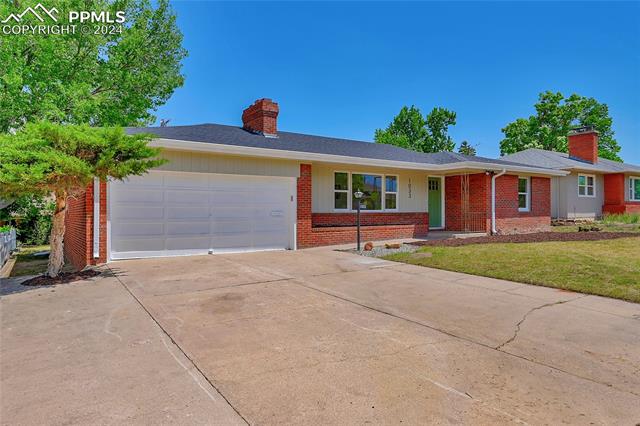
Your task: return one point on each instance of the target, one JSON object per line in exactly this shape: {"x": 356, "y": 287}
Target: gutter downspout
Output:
{"x": 493, "y": 200}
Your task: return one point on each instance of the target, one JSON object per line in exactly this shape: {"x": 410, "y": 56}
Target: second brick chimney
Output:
{"x": 261, "y": 118}
{"x": 583, "y": 144}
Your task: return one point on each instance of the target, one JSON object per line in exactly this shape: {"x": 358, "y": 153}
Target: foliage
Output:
{"x": 46, "y": 157}
{"x": 626, "y": 218}
{"x": 102, "y": 80}
{"x": 466, "y": 148}
{"x": 607, "y": 267}
{"x": 5, "y": 228}
{"x": 554, "y": 118}
{"x": 31, "y": 216}
{"x": 410, "y": 130}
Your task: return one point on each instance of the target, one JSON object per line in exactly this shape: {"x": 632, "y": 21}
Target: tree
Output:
{"x": 466, "y": 148}
{"x": 46, "y": 158}
{"x": 554, "y": 118}
{"x": 99, "y": 79}
{"x": 31, "y": 216}
{"x": 410, "y": 130}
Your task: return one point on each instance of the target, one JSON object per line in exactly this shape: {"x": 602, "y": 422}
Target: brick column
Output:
{"x": 614, "y": 189}
{"x": 304, "y": 220}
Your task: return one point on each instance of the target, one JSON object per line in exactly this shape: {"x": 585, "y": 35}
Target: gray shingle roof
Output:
{"x": 562, "y": 161}
{"x": 286, "y": 141}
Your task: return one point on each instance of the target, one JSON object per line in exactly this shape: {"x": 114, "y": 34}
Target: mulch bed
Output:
{"x": 528, "y": 238}
{"x": 63, "y": 278}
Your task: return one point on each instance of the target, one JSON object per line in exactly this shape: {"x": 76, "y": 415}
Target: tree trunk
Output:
{"x": 56, "y": 258}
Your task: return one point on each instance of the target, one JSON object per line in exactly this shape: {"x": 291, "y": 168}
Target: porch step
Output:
{"x": 445, "y": 235}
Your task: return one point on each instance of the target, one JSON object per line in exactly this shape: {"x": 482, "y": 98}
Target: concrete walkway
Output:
{"x": 315, "y": 337}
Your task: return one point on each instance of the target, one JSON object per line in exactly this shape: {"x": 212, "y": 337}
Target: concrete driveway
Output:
{"x": 319, "y": 337}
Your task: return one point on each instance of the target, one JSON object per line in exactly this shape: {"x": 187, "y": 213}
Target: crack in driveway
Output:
{"x": 529, "y": 312}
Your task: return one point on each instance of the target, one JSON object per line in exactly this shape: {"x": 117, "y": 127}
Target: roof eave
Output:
{"x": 182, "y": 145}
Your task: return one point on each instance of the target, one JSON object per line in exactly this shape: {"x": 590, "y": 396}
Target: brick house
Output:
{"x": 227, "y": 189}
{"x": 593, "y": 186}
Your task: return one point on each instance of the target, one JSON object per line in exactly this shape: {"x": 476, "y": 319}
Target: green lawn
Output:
{"x": 28, "y": 264}
{"x": 607, "y": 267}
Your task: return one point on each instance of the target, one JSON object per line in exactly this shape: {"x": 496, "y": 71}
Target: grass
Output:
{"x": 607, "y": 268}
{"x": 628, "y": 218}
{"x": 28, "y": 264}
{"x": 628, "y": 222}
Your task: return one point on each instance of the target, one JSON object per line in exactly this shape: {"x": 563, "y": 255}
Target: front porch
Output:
{"x": 420, "y": 201}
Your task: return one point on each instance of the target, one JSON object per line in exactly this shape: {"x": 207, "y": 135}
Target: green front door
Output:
{"x": 435, "y": 202}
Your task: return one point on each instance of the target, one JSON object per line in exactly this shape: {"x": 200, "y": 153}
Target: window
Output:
{"x": 380, "y": 191}
{"x": 586, "y": 185}
{"x": 371, "y": 186}
{"x": 523, "y": 194}
{"x": 391, "y": 193}
{"x": 341, "y": 191}
{"x": 634, "y": 188}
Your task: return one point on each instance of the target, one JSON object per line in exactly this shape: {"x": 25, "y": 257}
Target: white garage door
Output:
{"x": 170, "y": 214}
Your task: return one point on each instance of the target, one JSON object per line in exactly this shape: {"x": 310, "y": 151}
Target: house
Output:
{"x": 228, "y": 189}
{"x": 594, "y": 186}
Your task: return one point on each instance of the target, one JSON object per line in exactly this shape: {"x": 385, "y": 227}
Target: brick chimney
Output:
{"x": 261, "y": 118}
{"x": 583, "y": 144}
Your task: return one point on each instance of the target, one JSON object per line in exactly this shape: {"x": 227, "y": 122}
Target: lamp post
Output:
{"x": 358, "y": 195}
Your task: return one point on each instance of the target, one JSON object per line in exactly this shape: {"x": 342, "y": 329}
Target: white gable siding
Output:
{"x": 184, "y": 161}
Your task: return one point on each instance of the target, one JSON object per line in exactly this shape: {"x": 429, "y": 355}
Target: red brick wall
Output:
{"x": 78, "y": 238}
{"x": 615, "y": 197}
{"x": 479, "y": 202}
{"x": 324, "y": 236}
{"x": 304, "y": 224}
{"x": 369, "y": 218}
{"x": 584, "y": 146}
{"x": 508, "y": 218}
{"x": 614, "y": 189}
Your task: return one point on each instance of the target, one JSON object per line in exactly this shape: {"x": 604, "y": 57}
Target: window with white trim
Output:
{"x": 524, "y": 194}
{"x": 586, "y": 185}
{"x": 634, "y": 188}
{"x": 341, "y": 191}
{"x": 391, "y": 193}
{"x": 380, "y": 191}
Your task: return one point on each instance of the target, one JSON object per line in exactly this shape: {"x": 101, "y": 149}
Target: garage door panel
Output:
{"x": 187, "y": 197}
{"x": 164, "y": 213}
{"x": 138, "y": 245}
{"x": 230, "y": 226}
{"x": 188, "y": 228}
{"x": 201, "y": 244}
{"x": 137, "y": 213}
{"x": 198, "y": 212}
{"x": 140, "y": 196}
{"x": 190, "y": 182}
{"x": 134, "y": 229}
{"x": 148, "y": 180}
{"x": 220, "y": 213}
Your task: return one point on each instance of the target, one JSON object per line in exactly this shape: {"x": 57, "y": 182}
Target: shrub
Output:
{"x": 31, "y": 216}
{"x": 621, "y": 218}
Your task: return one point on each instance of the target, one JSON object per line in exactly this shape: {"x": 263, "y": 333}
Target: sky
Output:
{"x": 345, "y": 69}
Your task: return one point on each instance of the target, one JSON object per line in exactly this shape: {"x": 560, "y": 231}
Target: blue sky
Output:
{"x": 345, "y": 69}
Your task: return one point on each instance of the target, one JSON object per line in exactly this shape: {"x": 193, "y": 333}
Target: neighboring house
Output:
{"x": 229, "y": 188}
{"x": 594, "y": 186}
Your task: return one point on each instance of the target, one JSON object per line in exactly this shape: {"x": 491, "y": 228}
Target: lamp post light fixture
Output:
{"x": 358, "y": 195}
